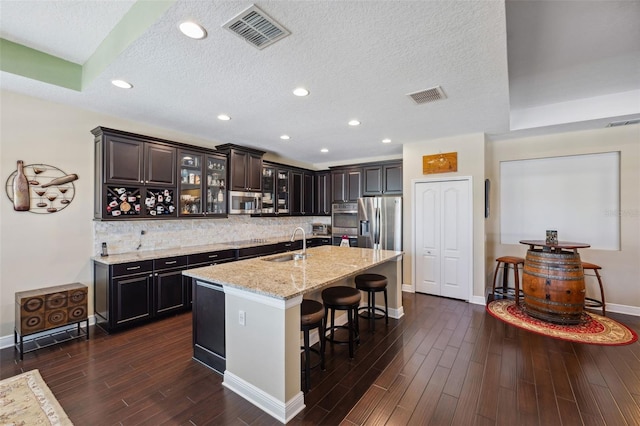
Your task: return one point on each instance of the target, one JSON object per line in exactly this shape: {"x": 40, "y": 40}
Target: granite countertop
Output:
{"x": 284, "y": 280}
{"x": 136, "y": 256}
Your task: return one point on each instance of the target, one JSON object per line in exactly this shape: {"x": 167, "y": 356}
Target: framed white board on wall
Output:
{"x": 577, "y": 195}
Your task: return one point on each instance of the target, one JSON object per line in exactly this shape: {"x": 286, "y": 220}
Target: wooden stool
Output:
{"x": 373, "y": 283}
{"x": 345, "y": 299}
{"x": 588, "y": 301}
{"x": 311, "y": 316}
{"x": 505, "y": 290}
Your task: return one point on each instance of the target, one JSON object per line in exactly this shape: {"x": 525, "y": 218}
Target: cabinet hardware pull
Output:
{"x": 211, "y": 256}
{"x": 133, "y": 268}
{"x": 156, "y": 274}
{"x": 171, "y": 263}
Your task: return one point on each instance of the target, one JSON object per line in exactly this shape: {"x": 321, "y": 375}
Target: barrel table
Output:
{"x": 553, "y": 281}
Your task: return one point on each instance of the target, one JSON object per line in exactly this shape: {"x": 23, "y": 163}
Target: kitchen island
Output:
{"x": 262, "y": 299}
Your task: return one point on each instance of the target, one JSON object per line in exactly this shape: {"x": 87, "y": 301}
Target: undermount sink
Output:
{"x": 285, "y": 257}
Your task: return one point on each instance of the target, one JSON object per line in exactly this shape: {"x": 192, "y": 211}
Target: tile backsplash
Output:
{"x": 127, "y": 236}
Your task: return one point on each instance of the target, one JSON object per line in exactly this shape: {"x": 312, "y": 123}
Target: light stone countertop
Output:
{"x": 136, "y": 256}
{"x": 284, "y": 280}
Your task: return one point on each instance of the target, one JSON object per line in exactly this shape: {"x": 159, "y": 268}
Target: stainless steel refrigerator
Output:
{"x": 380, "y": 223}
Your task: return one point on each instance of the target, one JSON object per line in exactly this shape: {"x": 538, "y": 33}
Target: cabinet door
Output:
{"x": 170, "y": 292}
{"x": 283, "y": 182}
{"x": 254, "y": 172}
{"x": 392, "y": 179}
{"x": 307, "y": 194}
{"x": 132, "y": 298}
{"x": 160, "y": 164}
{"x": 191, "y": 184}
{"x": 269, "y": 195}
{"x": 296, "y": 193}
{"x": 338, "y": 185}
{"x": 372, "y": 180}
{"x": 215, "y": 184}
{"x": 124, "y": 161}
{"x": 238, "y": 170}
{"x": 323, "y": 195}
{"x": 354, "y": 185}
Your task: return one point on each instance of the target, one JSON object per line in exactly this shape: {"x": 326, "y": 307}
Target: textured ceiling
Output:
{"x": 359, "y": 59}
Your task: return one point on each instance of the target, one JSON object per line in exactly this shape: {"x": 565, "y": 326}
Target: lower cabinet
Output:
{"x": 208, "y": 325}
{"x": 130, "y": 293}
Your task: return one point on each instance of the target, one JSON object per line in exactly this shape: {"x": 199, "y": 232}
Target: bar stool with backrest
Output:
{"x": 311, "y": 317}
{"x": 342, "y": 298}
{"x": 504, "y": 290}
{"x": 373, "y": 283}
{"x": 590, "y": 302}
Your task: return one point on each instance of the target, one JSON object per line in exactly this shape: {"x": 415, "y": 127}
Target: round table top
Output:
{"x": 559, "y": 245}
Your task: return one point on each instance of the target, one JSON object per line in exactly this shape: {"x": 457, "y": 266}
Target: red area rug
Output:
{"x": 595, "y": 329}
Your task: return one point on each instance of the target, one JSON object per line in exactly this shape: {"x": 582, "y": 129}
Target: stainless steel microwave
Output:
{"x": 245, "y": 202}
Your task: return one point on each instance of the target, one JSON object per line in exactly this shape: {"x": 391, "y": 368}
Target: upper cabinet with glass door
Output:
{"x": 202, "y": 187}
{"x": 268, "y": 189}
{"x": 216, "y": 185}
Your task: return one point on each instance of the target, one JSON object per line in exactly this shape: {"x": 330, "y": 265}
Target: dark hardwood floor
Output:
{"x": 446, "y": 362}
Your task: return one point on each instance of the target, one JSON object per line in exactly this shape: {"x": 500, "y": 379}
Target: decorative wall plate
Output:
{"x": 47, "y": 196}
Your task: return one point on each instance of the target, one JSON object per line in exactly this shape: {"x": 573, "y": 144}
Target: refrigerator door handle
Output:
{"x": 376, "y": 235}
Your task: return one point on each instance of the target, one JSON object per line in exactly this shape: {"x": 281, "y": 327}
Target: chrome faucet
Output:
{"x": 303, "y": 253}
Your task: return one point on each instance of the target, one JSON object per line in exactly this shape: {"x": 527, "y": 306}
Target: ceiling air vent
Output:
{"x": 256, "y": 27}
{"x": 428, "y": 95}
{"x": 624, "y": 122}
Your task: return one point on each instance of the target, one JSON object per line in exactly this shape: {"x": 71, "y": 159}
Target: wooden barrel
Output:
{"x": 553, "y": 286}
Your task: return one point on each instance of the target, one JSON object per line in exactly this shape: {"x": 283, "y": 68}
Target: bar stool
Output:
{"x": 591, "y": 302}
{"x": 373, "y": 283}
{"x": 505, "y": 291}
{"x": 311, "y": 317}
{"x": 345, "y": 299}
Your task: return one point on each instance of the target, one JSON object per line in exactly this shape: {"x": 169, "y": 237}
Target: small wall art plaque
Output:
{"x": 440, "y": 163}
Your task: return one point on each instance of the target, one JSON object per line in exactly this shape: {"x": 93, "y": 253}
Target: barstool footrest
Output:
{"x": 328, "y": 337}
{"x": 592, "y": 303}
{"x": 378, "y": 315}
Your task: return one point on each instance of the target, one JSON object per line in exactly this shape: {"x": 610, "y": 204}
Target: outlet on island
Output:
{"x": 241, "y": 317}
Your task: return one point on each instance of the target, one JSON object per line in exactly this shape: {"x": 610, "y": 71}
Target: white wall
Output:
{"x": 42, "y": 250}
{"x": 621, "y": 269}
{"x": 470, "y": 149}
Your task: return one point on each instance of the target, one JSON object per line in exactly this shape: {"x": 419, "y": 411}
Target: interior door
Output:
{"x": 443, "y": 238}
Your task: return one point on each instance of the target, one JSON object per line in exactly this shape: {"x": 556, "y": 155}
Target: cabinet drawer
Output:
{"x": 212, "y": 257}
{"x": 132, "y": 268}
{"x": 169, "y": 262}
{"x": 249, "y": 252}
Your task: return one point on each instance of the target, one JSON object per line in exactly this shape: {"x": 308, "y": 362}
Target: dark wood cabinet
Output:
{"x": 126, "y": 294}
{"x": 169, "y": 286}
{"x": 245, "y": 168}
{"x": 382, "y": 179}
{"x": 346, "y": 184}
{"x": 132, "y": 161}
{"x": 135, "y": 176}
{"x": 308, "y": 196}
{"x": 202, "y": 184}
{"x": 322, "y": 194}
{"x": 301, "y": 193}
{"x": 392, "y": 178}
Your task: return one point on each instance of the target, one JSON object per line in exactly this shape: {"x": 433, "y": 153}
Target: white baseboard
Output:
{"x": 281, "y": 411}
{"x": 8, "y": 341}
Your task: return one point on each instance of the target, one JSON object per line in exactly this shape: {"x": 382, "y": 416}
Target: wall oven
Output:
{"x": 344, "y": 221}
{"x": 245, "y": 202}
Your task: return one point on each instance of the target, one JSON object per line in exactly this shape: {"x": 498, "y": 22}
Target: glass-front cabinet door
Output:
{"x": 283, "y": 191}
{"x": 268, "y": 189}
{"x": 190, "y": 186}
{"x": 216, "y": 185}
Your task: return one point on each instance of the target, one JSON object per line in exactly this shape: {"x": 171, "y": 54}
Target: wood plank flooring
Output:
{"x": 446, "y": 362}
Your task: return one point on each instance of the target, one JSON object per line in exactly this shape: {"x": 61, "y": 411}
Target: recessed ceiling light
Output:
{"x": 192, "y": 30}
{"x": 324, "y": 150}
{"x": 285, "y": 137}
{"x": 386, "y": 140}
{"x": 224, "y": 117}
{"x": 354, "y": 123}
{"x": 121, "y": 84}
{"x": 300, "y": 91}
